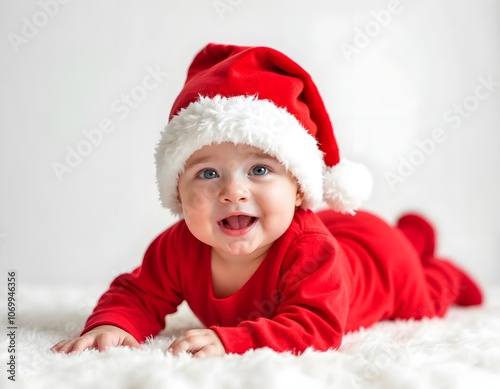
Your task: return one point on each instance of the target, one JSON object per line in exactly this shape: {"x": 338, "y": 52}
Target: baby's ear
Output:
{"x": 299, "y": 197}
{"x": 178, "y": 195}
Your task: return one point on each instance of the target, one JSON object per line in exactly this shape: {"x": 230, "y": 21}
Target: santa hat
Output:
{"x": 257, "y": 96}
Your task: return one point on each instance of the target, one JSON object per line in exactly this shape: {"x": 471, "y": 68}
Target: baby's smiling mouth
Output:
{"x": 237, "y": 222}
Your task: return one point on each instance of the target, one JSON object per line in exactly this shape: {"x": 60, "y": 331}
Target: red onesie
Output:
{"x": 327, "y": 274}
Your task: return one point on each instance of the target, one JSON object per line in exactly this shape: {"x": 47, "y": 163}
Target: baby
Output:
{"x": 248, "y": 151}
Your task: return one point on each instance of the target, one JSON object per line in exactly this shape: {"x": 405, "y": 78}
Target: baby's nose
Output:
{"x": 234, "y": 190}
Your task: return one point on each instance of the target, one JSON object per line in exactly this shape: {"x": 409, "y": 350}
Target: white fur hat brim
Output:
{"x": 260, "y": 123}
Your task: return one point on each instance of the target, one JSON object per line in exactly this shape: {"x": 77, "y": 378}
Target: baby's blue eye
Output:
{"x": 259, "y": 170}
{"x": 208, "y": 174}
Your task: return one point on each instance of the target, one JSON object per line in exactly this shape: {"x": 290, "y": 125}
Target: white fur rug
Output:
{"x": 460, "y": 351}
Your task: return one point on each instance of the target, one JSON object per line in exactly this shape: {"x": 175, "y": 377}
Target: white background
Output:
{"x": 70, "y": 73}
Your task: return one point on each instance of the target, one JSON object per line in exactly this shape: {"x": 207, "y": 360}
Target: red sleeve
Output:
{"x": 138, "y": 302}
{"x": 313, "y": 307}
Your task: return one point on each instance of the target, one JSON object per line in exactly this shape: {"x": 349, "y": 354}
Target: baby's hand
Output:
{"x": 100, "y": 338}
{"x": 201, "y": 343}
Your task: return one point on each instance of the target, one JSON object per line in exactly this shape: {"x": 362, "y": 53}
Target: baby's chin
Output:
{"x": 244, "y": 250}
{"x": 240, "y": 248}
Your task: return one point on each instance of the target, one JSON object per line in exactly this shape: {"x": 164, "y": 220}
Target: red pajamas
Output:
{"x": 392, "y": 280}
{"x": 315, "y": 284}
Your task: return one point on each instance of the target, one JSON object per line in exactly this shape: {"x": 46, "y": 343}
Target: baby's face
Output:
{"x": 236, "y": 198}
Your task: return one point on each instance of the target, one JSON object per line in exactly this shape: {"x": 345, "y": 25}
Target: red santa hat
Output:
{"x": 257, "y": 96}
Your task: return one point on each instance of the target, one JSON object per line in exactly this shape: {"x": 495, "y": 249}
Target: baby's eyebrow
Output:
{"x": 197, "y": 161}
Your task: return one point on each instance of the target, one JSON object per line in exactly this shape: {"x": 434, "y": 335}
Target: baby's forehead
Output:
{"x": 231, "y": 149}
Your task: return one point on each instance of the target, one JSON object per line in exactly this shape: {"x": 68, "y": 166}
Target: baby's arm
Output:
{"x": 100, "y": 338}
{"x": 135, "y": 305}
{"x": 312, "y": 307}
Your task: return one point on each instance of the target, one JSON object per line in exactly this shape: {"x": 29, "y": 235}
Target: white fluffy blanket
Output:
{"x": 460, "y": 351}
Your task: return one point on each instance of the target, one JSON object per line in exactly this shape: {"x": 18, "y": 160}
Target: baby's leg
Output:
{"x": 444, "y": 282}
{"x": 395, "y": 272}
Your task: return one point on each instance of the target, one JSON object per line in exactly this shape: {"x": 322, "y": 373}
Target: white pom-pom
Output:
{"x": 346, "y": 186}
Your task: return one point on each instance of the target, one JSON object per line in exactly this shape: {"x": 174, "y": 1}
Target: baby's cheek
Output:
{"x": 284, "y": 195}
{"x": 199, "y": 198}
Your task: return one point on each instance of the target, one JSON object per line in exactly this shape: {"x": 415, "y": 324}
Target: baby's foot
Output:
{"x": 469, "y": 292}
{"x": 420, "y": 233}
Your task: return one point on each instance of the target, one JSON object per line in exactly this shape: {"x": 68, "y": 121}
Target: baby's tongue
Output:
{"x": 238, "y": 222}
